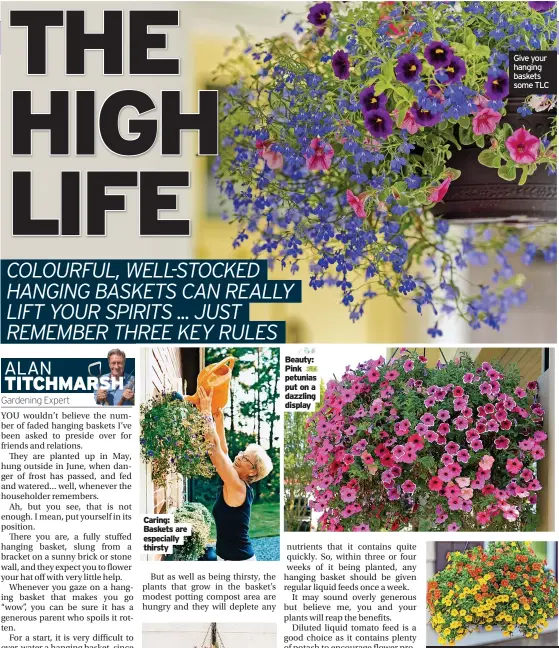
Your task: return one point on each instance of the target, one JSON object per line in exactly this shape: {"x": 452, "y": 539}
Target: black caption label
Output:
{"x": 533, "y": 72}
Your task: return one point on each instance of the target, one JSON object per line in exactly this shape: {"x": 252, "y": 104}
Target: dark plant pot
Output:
{"x": 479, "y": 195}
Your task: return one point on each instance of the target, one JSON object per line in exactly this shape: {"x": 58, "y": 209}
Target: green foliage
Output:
{"x": 172, "y": 438}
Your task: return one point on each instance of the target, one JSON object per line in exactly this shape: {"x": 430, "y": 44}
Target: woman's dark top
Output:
{"x": 232, "y": 524}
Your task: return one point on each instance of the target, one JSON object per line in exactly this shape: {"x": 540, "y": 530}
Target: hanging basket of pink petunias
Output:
{"x": 399, "y": 446}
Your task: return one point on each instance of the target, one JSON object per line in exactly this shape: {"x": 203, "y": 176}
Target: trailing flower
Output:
{"x": 373, "y": 99}
{"x": 194, "y": 545}
{"x": 398, "y": 446}
{"x": 505, "y": 586}
{"x": 172, "y": 438}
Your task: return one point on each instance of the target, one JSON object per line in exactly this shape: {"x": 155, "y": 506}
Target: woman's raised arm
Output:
{"x": 219, "y": 458}
{"x": 218, "y": 419}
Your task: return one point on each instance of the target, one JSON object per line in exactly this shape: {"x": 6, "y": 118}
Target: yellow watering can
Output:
{"x": 218, "y": 376}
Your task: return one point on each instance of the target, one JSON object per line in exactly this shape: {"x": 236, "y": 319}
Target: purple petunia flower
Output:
{"x": 378, "y": 123}
{"x": 497, "y": 85}
{"x": 424, "y": 117}
{"x": 438, "y": 54}
{"x": 456, "y": 69}
{"x": 340, "y": 64}
{"x": 369, "y": 100}
{"x": 541, "y": 7}
{"x": 408, "y": 68}
{"x": 319, "y": 13}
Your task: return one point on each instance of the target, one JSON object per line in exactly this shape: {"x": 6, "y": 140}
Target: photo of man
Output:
{"x": 122, "y": 393}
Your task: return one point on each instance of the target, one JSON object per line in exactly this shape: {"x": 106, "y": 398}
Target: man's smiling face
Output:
{"x": 116, "y": 365}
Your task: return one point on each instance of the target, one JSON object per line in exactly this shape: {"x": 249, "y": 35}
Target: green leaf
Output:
{"x": 403, "y": 92}
{"x": 401, "y": 116}
{"x": 507, "y": 172}
{"x": 524, "y": 176}
{"x": 506, "y": 130}
{"x": 483, "y": 51}
{"x": 470, "y": 40}
{"x": 450, "y": 137}
{"x": 387, "y": 71}
{"x": 464, "y": 122}
{"x": 465, "y": 136}
{"x": 381, "y": 85}
{"x": 428, "y": 462}
{"x": 480, "y": 140}
{"x": 454, "y": 173}
{"x": 490, "y": 158}
{"x": 365, "y": 32}
{"x": 428, "y": 158}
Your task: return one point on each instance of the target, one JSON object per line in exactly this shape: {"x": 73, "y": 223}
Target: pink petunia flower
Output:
{"x": 367, "y": 458}
{"x": 439, "y": 192}
{"x": 443, "y": 415}
{"x": 408, "y": 486}
{"x": 463, "y": 456}
{"x": 514, "y": 466}
{"x": 452, "y": 448}
{"x": 459, "y": 404}
{"x": 453, "y": 527}
{"x": 321, "y": 158}
{"x": 476, "y": 444}
{"x": 534, "y": 485}
{"x": 447, "y": 459}
{"x": 428, "y": 419}
{"x": 362, "y": 527}
{"x": 444, "y": 428}
{"x": 467, "y": 493}
{"x": 431, "y": 436}
{"x": 538, "y": 452}
{"x": 523, "y": 147}
{"x": 435, "y": 484}
{"x": 357, "y": 203}
{"x": 410, "y": 124}
{"x": 485, "y": 121}
{"x": 510, "y": 513}
{"x": 455, "y": 503}
{"x": 501, "y": 443}
{"x": 408, "y": 366}
{"x": 486, "y": 462}
{"x": 273, "y": 158}
{"x": 468, "y": 378}
{"x": 483, "y": 518}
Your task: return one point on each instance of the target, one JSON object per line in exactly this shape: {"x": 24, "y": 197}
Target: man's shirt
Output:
{"x": 115, "y": 394}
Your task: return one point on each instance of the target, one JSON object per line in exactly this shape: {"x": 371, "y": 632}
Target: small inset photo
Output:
{"x": 208, "y": 635}
{"x": 210, "y": 436}
{"x": 492, "y": 593}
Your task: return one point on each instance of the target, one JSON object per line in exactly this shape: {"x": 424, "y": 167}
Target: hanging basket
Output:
{"x": 479, "y": 195}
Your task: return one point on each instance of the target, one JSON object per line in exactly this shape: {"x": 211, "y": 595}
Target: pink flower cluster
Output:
{"x": 391, "y": 437}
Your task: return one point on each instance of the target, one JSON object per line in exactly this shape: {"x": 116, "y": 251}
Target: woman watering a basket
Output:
{"x": 232, "y": 506}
